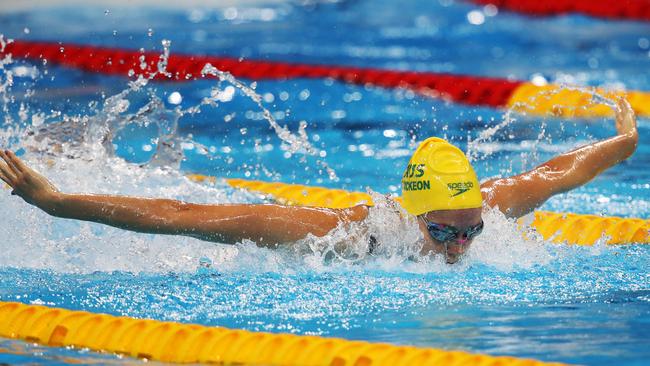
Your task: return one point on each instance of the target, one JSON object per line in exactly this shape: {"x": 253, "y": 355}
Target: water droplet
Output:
{"x": 490, "y": 10}
{"x": 229, "y": 117}
{"x": 269, "y": 98}
{"x": 230, "y": 13}
{"x": 475, "y": 17}
{"x": 38, "y": 119}
{"x": 538, "y": 80}
{"x": 390, "y": 133}
{"x": 304, "y": 94}
{"x": 175, "y": 98}
{"x": 338, "y": 114}
{"x": 143, "y": 62}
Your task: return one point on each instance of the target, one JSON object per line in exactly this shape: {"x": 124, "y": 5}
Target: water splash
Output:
{"x": 474, "y": 146}
{"x": 83, "y": 146}
{"x": 297, "y": 143}
{"x": 483, "y": 146}
{"x": 6, "y": 81}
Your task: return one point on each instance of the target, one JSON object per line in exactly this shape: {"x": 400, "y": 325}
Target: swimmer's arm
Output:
{"x": 519, "y": 195}
{"x": 268, "y": 225}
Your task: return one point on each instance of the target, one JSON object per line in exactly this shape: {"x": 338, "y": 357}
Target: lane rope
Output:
{"x": 608, "y": 9}
{"x": 523, "y": 96}
{"x": 189, "y": 343}
{"x": 569, "y": 228}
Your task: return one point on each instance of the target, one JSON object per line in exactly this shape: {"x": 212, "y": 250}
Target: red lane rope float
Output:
{"x": 612, "y": 9}
{"x": 471, "y": 90}
{"x": 485, "y": 91}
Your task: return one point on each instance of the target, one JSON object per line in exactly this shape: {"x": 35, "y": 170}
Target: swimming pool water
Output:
{"x": 510, "y": 296}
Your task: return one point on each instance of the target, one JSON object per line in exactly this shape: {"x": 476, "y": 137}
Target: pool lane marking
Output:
{"x": 608, "y": 9}
{"x": 465, "y": 89}
{"x": 191, "y": 343}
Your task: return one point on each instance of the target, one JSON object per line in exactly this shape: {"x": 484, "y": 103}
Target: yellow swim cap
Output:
{"x": 439, "y": 177}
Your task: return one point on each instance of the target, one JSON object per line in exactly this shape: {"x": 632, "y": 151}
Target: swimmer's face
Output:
{"x": 463, "y": 220}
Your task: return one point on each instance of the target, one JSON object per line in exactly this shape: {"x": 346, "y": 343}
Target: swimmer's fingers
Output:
{"x": 6, "y": 175}
{"x": 624, "y": 107}
{"x": 625, "y": 117}
{"x": 25, "y": 182}
{"x": 5, "y": 166}
{"x": 17, "y": 162}
{"x": 10, "y": 164}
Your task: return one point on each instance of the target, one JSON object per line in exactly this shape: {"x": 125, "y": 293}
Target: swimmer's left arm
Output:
{"x": 519, "y": 195}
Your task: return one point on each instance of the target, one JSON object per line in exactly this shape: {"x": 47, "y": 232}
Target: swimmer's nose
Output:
{"x": 459, "y": 246}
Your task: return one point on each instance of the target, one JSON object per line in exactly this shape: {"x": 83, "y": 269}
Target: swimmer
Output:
{"x": 440, "y": 189}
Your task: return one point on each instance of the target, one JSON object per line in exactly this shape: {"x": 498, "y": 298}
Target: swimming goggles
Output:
{"x": 446, "y": 233}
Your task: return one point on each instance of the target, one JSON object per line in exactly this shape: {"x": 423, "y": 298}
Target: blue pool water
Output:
{"x": 509, "y": 296}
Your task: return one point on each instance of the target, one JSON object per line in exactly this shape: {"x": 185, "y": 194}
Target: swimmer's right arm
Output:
{"x": 267, "y": 225}
{"x": 516, "y": 196}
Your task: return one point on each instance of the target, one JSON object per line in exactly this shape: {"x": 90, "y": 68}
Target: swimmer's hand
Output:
{"x": 626, "y": 120}
{"x": 26, "y": 182}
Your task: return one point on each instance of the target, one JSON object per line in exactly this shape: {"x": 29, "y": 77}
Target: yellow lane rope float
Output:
{"x": 567, "y": 228}
{"x": 189, "y": 343}
{"x": 562, "y": 101}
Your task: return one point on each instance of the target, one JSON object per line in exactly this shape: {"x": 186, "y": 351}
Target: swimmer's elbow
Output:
{"x": 515, "y": 196}
{"x": 553, "y": 179}
{"x": 180, "y": 218}
{"x": 227, "y": 224}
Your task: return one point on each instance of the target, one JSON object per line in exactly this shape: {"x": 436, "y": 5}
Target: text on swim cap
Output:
{"x": 460, "y": 187}
{"x": 418, "y": 185}
{"x": 414, "y": 170}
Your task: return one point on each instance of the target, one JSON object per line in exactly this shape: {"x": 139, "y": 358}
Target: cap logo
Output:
{"x": 414, "y": 171}
{"x": 460, "y": 187}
